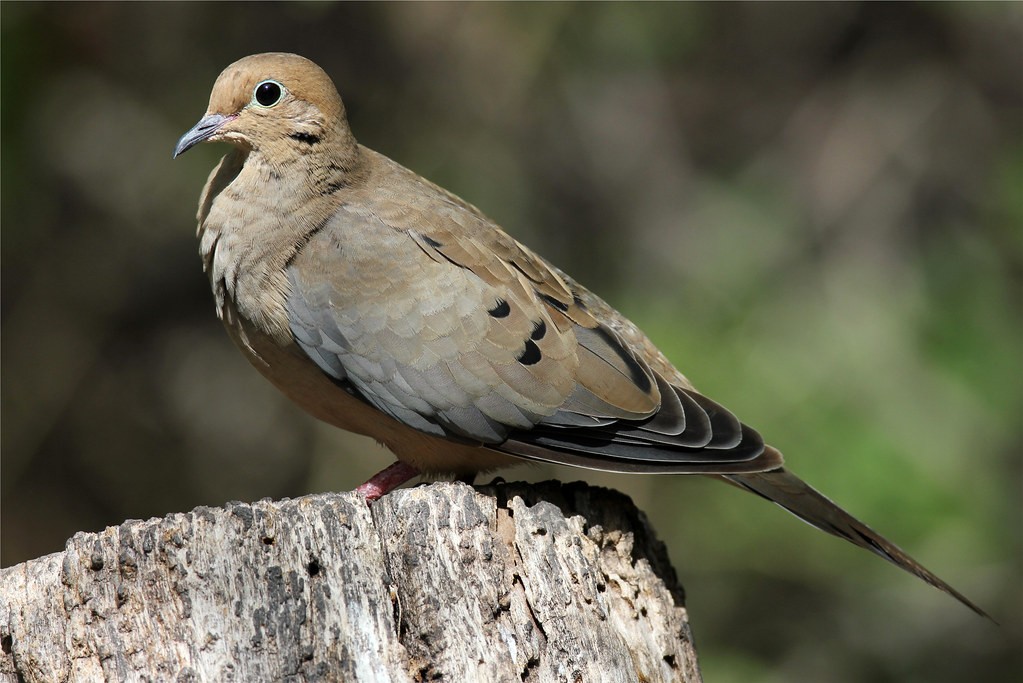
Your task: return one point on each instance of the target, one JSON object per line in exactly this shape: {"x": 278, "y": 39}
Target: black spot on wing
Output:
{"x": 531, "y": 355}
{"x": 501, "y": 310}
{"x": 432, "y": 242}
{"x": 539, "y": 330}
{"x": 560, "y": 305}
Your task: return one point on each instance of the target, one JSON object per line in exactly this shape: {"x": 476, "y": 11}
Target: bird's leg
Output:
{"x": 386, "y": 480}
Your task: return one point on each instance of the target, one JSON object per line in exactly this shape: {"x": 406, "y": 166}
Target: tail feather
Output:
{"x": 790, "y": 492}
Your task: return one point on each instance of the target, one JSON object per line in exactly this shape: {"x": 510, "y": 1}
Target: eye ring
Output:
{"x": 268, "y": 93}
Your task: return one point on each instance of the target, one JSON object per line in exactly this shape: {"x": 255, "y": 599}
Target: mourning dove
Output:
{"x": 385, "y": 305}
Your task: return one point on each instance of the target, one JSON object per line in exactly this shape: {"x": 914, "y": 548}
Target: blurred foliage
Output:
{"x": 816, "y": 210}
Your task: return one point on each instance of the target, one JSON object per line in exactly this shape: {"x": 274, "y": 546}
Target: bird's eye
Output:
{"x": 268, "y": 93}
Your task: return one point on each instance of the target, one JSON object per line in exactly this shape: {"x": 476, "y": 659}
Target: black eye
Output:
{"x": 268, "y": 93}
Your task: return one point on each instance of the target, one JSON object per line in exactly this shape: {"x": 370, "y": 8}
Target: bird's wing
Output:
{"x": 444, "y": 322}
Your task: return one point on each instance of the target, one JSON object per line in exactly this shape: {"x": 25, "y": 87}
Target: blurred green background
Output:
{"x": 815, "y": 210}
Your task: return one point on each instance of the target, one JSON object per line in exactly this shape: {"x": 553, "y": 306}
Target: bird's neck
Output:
{"x": 314, "y": 164}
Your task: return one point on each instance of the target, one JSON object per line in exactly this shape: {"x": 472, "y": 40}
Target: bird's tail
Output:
{"x": 792, "y": 493}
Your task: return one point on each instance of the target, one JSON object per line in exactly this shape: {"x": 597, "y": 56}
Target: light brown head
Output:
{"x": 272, "y": 100}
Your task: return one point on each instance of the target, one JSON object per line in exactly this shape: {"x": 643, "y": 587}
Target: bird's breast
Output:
{"x": 250, "y": 228}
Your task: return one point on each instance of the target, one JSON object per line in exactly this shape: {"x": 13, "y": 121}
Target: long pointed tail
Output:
{"x": 792, "y": 493}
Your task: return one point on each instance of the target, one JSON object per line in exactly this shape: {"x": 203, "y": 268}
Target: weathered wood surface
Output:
{"x": 507, "y": 582}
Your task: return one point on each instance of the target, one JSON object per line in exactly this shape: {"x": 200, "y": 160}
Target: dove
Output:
{"x": 384, "y": 305}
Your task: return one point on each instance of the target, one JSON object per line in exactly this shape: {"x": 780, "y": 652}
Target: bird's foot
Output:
{"x": 386, "y": 480}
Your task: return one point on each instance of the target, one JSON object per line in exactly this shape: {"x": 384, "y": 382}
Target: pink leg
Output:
{"x": 386, "y": 480}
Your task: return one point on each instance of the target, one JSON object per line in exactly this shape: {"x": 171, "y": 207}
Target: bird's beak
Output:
{"x": 204, "y": 130}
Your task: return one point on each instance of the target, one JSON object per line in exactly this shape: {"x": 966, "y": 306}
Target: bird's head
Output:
{"x": 268, "y": 99}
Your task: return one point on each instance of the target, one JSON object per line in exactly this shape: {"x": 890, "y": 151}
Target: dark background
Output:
{"x": 815, "y": 210}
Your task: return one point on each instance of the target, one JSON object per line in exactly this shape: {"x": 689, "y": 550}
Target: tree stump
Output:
{"x": 506, "y": 582}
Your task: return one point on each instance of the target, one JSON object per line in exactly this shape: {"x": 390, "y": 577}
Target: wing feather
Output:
{"x": 475, "y": 337}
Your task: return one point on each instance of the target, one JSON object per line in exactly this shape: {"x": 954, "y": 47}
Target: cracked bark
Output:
{"x": 507, "y": 582}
